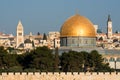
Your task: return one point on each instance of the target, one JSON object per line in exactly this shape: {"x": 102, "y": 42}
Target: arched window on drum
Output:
{"x": 118, "y": 59}
{"x": 111, "y": 59}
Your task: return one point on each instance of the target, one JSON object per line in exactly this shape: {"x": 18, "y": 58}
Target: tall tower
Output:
{"x": 109, "y": 27}
{"x": 20, "y": 34}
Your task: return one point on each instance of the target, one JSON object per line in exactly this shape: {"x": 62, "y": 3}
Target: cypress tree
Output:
{"x": 44, "y": 37}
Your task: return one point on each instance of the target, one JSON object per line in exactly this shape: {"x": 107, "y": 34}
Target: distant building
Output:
{"x": 7, "y": 40}
{"x": 54, "y": 39}
{"x": 28, "y": 42}
{"x": 108, "y": 40}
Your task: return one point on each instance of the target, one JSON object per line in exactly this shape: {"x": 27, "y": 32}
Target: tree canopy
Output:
{"x": 44, "y": 36}
{"x": 43, "y": 59}
{"x": 83, "y": 61}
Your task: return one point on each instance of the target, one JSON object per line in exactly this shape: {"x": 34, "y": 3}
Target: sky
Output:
{"x": 48, "y": 15}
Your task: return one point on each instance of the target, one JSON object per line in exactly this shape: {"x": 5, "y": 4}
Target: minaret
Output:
{"x": 109, "y": 27}
{"x": 20, "y": 34}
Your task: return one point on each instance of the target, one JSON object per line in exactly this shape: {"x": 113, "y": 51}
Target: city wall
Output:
{"x": 59, "y": 76}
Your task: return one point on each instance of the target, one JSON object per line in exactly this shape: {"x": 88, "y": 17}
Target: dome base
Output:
{"x": 78, "y": 41}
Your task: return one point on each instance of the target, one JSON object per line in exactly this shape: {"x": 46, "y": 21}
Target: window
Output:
{"x": 20, "y": 34}
{"x": 118, "y": 60}
{"x": 112, "y": 59}
{"x": 19, "y": 29}
{"x": 73, "y": 41}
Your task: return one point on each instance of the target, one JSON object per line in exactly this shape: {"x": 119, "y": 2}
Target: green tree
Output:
{"x": 40, "y": 59}
{"x": 99, "y": 31}
{"x": 83, "y": 61}
{"x": 3, "y": 53}
{"x": 26, "y": 60}
{"x": 43, "y": 58}
{"x": 101, "y": 39}
{"x": 96, "y": 62}
{"x": 11, "y": 63}
{"x": 10, "y": 49}
{"x": 71, "y": 61}
{"x": 38, "y": 33}
{"x": 44, "y": 37}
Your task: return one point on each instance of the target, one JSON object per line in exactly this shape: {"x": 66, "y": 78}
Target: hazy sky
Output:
{"x": 48, "y": 15}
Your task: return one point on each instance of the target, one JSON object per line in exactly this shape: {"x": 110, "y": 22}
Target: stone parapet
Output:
{"x": 60, "y": 76}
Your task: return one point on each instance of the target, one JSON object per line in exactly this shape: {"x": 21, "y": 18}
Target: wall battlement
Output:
{"x": 59, "y": 76}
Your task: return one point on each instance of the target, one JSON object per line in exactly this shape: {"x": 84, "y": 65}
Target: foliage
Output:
{"x": 115, "y": 40}
{"x": 71, "y": 61}
{"x": 10, "y": 60}
{"x": 38, "y": 33}
{"x": 83, "y": 61}
{"x": 44, "y": 37}
{"x": 101, "y": 39}
{"x": 40, "y": 59}
{"x": 10, "y": 49}
{"x": 3, "y": 53}
{"x": 99, "y": 31}
{"x": 43, "y": 59}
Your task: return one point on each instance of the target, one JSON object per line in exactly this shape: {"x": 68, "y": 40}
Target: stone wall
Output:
{"x": 59, "y": 76}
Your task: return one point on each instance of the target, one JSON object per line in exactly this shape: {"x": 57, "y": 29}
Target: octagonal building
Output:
{"x": 77, "y": 31}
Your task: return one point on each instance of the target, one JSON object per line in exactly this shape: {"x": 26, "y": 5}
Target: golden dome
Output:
{"x": 77, "y": 25}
